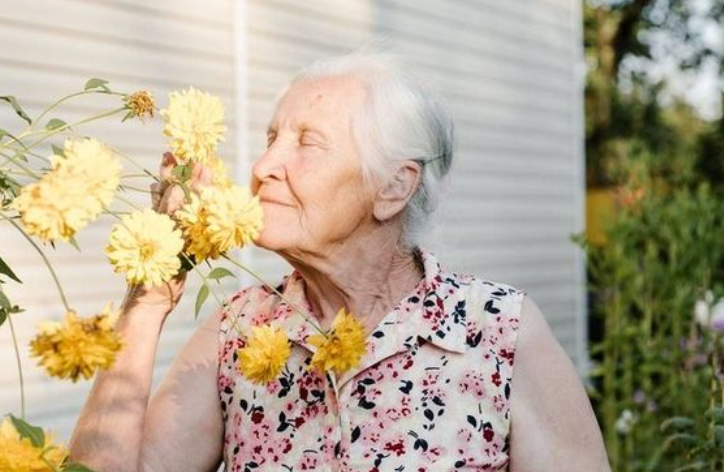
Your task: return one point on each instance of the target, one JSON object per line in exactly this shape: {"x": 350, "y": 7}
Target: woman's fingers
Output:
{"x": 167, "y": 164}
{"x": 168, "y": 197}
{"x": 172, "y": 200}
{"x": 200, "y": 176}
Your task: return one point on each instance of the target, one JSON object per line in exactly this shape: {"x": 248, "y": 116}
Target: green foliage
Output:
{"x": 34, "y": 433}
{"x": 201, "y": 297}
{"x": 13, "y": 102}
{"x": 663, "y": 251}
{"x": 97, "y": 84}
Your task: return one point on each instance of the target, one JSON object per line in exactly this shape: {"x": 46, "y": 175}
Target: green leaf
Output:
{"x": 182, "y": 172}
{"x": 699, "y": 465}
{"x": 34, "y": 433}
{"x": 5, "y": 269}
{"x": 200, "y": 299}
{"x": 719, "y": 435}
{"x": 74, "y": 242}
{"x": 72, "y": 467}
{"x": 717, "y": 413}
{"x": 5, "y": 302}
{"x": 684, "y": 439}
{"x": 3, "y": 316}
{"x": 677, "y": 423}
{"x": 16, "y": 106}
{"x": 220, "y": 273}
{"x": 55, "y": 123}
{"x": 97, "y": 84}
{"x": 57, "y": 150}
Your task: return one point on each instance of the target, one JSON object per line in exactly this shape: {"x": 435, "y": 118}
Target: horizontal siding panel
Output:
{"x": 110, "y": 59}
{"x": 288, "y": 51}
{"x": 215, "y": 14}
{"x": 130, "y": 28}
{"x": 294, "y": 19}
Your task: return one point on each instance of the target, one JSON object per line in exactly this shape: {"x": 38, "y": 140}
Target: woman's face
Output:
{"x": 309, "y": 178}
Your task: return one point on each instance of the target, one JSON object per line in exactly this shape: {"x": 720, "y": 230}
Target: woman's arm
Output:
{"x": 180, "y": 428}
{"x": 553, "y": 427}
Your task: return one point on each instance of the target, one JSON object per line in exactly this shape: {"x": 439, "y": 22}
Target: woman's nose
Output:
{"x": 269, "y": 166}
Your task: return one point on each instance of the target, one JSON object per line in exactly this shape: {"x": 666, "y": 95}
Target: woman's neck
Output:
{"x": 367, "y": 279}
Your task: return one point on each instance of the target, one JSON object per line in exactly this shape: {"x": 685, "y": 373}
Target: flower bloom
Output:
{"x": 194, "y": 122}
{"x": 17, "y": 454}
{"x": 218, "y": 219}
{"x": 343, "y": 348}
{"x": 77, "y": 347}
{"x": 140, "y": 104}
{"x": 82, "y": 181}
{"x": 145, "y": 246}
{"x": 265, "y": 354}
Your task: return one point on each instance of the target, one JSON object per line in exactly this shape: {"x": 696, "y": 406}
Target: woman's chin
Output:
{"x": 271, "y": 240}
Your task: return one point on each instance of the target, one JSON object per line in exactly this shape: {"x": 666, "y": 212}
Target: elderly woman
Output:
{"x": 460, "y": 372}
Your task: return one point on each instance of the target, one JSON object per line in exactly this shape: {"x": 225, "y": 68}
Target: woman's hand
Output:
{"x": 167, "y": 197}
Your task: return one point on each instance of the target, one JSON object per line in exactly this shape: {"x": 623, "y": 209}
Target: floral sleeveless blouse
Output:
{"x": 430, "y": 394}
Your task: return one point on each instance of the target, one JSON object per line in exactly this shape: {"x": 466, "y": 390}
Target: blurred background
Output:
{"x": 585, "y": 133}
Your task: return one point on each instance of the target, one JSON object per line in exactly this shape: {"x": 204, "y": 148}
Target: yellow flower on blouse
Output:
{"x": 77, "y": 347}
{"x": 265, "y": 354}
{"x": 145, "y": 246}
{"x": 194, "y": 122}
{"x": 343, "y": 348}
{"x": 17, "y": 454}
{"x": 218, "y": 219}
{"x": 82, "y": 181}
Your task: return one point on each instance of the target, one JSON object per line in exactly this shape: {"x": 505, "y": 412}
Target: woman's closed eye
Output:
{"x": 307, "y": 140}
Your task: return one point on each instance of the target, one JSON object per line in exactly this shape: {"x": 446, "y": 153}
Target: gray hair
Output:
{"x": 401, "y": 120}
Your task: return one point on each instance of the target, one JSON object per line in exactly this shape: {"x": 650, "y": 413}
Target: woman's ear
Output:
{"x": 394, "y": 195}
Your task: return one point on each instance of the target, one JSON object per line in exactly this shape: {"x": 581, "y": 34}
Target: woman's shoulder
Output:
{"x": 489, "y": 295}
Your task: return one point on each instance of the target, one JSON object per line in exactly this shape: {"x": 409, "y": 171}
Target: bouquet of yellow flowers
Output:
{"x": 74, "y": 186}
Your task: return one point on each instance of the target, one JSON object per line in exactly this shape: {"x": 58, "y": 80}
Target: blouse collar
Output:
{"x": 434, "y": 311}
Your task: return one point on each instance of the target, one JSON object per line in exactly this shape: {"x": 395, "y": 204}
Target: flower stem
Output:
{"x": 60, "y": 129}
{"x": 20, "y": 366}
{"x": 19, "y": 165}
{"x": 135, "y": 189}
{"x": 45, "y": 259}
{"x": 66, "y": 98}
{"x": 128, "y": 202}
{"x": 205, "y": 279}
{"x": 257, "y": 277}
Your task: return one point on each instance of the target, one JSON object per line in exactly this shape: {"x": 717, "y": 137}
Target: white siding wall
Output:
{"x": 508, "y": 70}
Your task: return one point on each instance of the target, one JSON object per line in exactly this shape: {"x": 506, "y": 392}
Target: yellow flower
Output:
{"x": 96, "y": 164}
{"x": 218, "y": 219}
{"x": 265, "y": 354}
{"x": 194, "y": 122}
{"x": 145, "y": 246}
{"x": 73, "y": 193}
{"x": 234, "y": 218}
{"x": 17, "y": 454}
{"x": 219, "y": 172}
{"x": 343, "y": 348}
{"x": 53, "y": 208}
{"x": 77, "y": 347}
{"x": 139, "y": 104}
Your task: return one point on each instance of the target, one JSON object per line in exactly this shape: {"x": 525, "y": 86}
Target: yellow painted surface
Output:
{"x": 600, "y": 207}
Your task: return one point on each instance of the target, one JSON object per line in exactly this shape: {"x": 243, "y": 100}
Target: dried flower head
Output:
{"x": 140, "y": 105}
